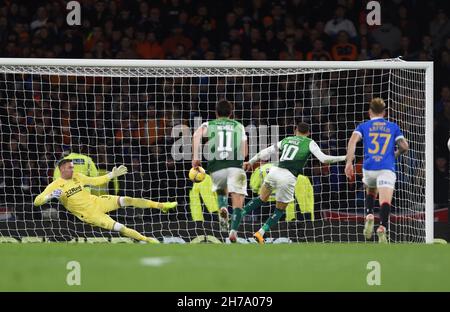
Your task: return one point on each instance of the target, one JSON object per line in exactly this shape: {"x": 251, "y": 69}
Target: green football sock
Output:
{"x": 252, "y": 205}
{"x": 236, "y": 218}
{"x": 273, "y": 219}
{"x": 223, "y": 201}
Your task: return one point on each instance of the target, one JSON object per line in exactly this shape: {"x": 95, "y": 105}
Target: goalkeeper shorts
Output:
{"x": 283, "y": 181}
{"x": 99, "y": 219}
{"x": 107, "y": 203}
{"x": 97, "y": 216}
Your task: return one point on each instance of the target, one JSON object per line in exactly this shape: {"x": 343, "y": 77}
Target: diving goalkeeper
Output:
{"x": 69, "y": 190}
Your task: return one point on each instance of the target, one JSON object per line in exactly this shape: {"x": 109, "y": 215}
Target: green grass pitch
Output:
{"x": 215, "y": 267}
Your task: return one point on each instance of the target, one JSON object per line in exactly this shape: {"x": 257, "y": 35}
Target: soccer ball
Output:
{"x": 197, "y": 174}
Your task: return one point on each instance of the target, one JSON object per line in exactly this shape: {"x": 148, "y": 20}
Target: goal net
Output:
{"x": 143, "y": 113}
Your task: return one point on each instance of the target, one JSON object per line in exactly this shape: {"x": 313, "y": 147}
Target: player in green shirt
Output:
{"x": 227, "y": 149}
{"x": 295, "y": 151}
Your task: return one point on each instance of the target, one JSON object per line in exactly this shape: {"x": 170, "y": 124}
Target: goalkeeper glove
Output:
{"x": 117, "y": 172}
{"x": 55, "y": 194}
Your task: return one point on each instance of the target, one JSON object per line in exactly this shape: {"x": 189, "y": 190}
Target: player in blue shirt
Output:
{"x": 380, "y": 138}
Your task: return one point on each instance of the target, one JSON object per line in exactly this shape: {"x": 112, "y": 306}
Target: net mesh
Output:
{"x": 144, "y": 117}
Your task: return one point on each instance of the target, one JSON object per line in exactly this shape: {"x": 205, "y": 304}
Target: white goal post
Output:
{"x": 138, "y": 112}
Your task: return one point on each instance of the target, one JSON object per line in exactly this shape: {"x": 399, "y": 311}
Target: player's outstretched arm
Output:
{"x": 264, "y": 154}
{"x": 51, "y": 191}
{"x": 196, "y": 144}
{"x": 403, "y": 147}
{"x": 94, "y": 181}
{"x": 326, "y": 159}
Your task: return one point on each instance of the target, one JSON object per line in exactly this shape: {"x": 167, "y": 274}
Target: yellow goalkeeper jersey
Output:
{"x": 74, "y": 197}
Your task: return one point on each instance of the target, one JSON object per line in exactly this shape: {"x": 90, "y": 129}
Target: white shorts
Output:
{"x": 283, "y": 181}
{"x": 379, "y": 178}
{"x": 233, "y": 179}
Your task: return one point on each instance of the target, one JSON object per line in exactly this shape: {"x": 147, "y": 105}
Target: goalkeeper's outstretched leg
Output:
{"x": 104, "y": 221}
{"x": 122, "y": 229}
{"x": 145, "y": 203}
{"x": 108, "y": 203}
